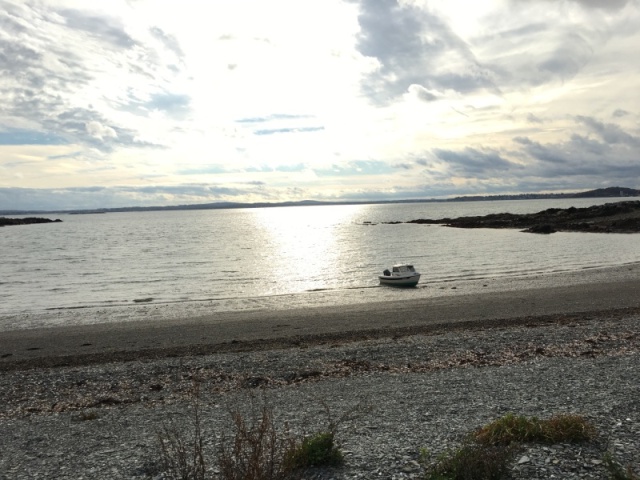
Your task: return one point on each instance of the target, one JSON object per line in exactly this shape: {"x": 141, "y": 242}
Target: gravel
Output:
{"x": 400, "y": 396}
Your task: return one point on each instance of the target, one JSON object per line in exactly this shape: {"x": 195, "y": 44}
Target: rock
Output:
{"x": 544, "y": 229}
{"x": 620, "y": 217}
{"x": 25, "y": 221}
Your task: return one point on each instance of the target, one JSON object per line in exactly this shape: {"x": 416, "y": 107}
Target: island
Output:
{"x": 622, "y": 217}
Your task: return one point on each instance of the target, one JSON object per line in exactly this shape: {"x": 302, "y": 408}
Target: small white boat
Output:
{"x": 400, "y": 275}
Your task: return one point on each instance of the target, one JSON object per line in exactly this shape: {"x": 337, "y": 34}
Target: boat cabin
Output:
{"x": 400, "y": 270}
{"x": 403, "y": 269}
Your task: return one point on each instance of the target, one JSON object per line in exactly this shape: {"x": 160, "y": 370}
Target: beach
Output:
{"x": 422, "y": 372}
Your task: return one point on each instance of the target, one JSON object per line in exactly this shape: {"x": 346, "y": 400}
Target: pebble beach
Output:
{"x": 410, "y": 378}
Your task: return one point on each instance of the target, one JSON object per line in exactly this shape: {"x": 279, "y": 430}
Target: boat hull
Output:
{"x": 400, "y": 281}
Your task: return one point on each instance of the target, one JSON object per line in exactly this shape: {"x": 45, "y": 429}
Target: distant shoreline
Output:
{"x": 609, "y": 192}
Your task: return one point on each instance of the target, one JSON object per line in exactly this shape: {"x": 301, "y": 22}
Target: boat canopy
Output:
{"x": 403, "y": 268}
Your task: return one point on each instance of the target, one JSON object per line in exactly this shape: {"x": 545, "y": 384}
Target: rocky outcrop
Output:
{"x": 25, "y": 221}
{"x": 621, "y": 217}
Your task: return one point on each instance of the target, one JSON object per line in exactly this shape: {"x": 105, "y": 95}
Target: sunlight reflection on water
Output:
{"x": 245, "y": 255}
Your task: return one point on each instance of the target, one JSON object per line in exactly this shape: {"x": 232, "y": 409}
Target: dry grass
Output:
{"x": 256, "y": 448}
{"x": 486, "y": 452}
{"x": 512, "y": 428}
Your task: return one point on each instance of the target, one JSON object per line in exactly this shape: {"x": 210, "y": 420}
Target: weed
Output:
{"x": 616, "y": 471}
{"x": 255, "y": 450}
{"x": 86, "y": 416}
{"x": 258, "y": 451}
{"x": 183, "y": 458}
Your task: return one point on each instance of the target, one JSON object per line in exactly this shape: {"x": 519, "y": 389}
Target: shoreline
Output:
{"x": 90, "y": 400}
{"x": 538, "y": 300}
{"x": 409, "y": 393}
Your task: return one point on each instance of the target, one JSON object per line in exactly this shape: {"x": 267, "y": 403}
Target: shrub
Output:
{"x": 318, "y": 450}
{"x": 472, "y": 462}
{"x": 183, "y": 458}
{"x": 559, "y": 428}
{"x": 567, "y": 428}
{"x": 485, "y": 453}
{"x": 257, "y": 452}
{"x": 616, "y": 471}
{"x": 509, "y": 429}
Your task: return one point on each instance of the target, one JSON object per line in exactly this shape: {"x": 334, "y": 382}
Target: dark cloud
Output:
{"x": 423, "y": 94}
{"x": 105, "y": 29}
{"x": 169, "y": 41}
{"x": 531, "y": 118}
{"x": 414, "y": 47}
{"x": 609, "y": 132}
{"x": 591, "y": 159}
{"x": 571, "y": 54}
{"x": 603, "y": 4}
{"x": 551, "y": 154}
{"x": 618, "y": 113}
{"x": 590, "y": 4}
{"x": 476, "y": 163}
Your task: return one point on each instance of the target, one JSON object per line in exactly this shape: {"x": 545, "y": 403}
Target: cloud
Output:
{"x": 271, "y": 131}
{"x": 356, "y": 168}
{"x": 609, "y": 132}
{"x": 169, "y": 41}
{"x": 531, "y": 118}
{"x": 583, "y": 156}
{"x": 353, "y": 99}
{"x": 93, "y": 197}
{"x": 43, "y": 80}
{"x": 104, "y": 29}
{"x": 99, "y": 131}
{"x": 603, "y": 5}
{"x": 414, "y": 47}
{"x": 476, "y": 163}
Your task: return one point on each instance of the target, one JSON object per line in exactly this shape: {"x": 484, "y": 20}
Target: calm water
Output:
{"x": 123, "y": 258}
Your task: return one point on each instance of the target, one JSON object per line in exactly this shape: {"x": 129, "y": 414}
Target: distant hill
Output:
{"x": 609, "y": 192}
{"x": 598, "y": 193}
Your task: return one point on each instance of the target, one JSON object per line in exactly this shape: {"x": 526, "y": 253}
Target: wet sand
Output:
{"x": 550, "y": 300}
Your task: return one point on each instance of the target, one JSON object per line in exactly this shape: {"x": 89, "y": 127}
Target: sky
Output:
{"x": 159, "y": 102}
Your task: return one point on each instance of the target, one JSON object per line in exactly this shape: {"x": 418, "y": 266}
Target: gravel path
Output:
{"x": 409, "y": 393}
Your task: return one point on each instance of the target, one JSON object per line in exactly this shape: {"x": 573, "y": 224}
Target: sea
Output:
{"x": 257, "y": 258}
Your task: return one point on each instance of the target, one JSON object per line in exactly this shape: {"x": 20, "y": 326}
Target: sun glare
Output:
{"x": 302, "y": 243}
